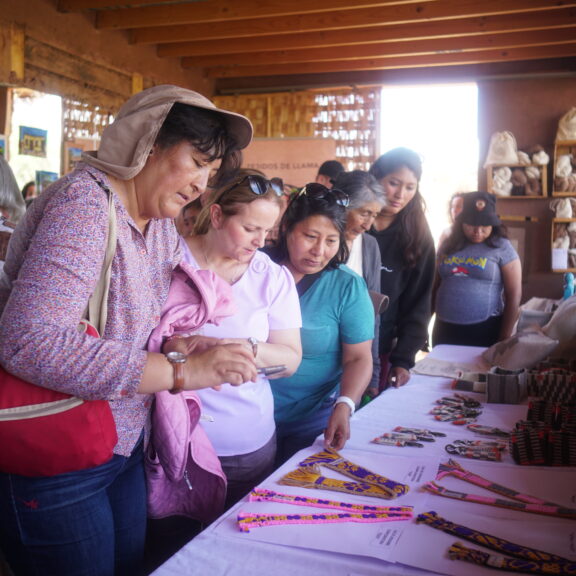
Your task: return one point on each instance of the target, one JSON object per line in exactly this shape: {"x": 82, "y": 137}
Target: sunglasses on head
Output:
{"x": 260, "y": 185}
{"x": 317, "y": 191}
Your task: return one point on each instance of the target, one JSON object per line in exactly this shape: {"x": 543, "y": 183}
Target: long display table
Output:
{"x": 401, "y": 547}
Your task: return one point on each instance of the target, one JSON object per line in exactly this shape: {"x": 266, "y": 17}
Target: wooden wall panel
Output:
{"x": 530, "y": 108}
{"x": 66, "y": 52}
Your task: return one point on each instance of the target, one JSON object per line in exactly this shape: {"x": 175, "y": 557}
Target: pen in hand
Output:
{"x": 269, "y": 370}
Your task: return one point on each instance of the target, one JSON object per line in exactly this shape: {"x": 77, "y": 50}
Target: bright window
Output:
{"x": 35, "y": 110}
{"x": 440, "y": 123}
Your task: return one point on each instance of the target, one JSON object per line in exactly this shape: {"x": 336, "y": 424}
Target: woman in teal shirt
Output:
{"x": 337, "y": 324}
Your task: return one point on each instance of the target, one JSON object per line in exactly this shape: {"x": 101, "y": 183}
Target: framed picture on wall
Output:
{"x": 73, "y": 152}
{"x": 44, "y": 179}
{"x": 32, "y": 141}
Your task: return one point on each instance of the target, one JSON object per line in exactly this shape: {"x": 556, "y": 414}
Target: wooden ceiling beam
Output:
{"x": 266, "y": 27}
{"x": 237, "y": 12}
{"x": 389, "y": 49}
{"x": 334, "y": 19}
{"x": 433, "y": 74}
{"x": 84, "y": 5}
{"x": 449, "y": 59}
{"x": 467, "y": 26}
{"x": 209, "y": 10}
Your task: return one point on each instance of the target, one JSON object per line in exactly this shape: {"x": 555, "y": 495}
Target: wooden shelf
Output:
{"x": 560, "y": 256}
{"x": 518, "y": 193}
{"x": 561, "y": 148}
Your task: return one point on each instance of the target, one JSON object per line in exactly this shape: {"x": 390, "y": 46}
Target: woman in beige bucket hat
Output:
{"x": 158, "y": 155}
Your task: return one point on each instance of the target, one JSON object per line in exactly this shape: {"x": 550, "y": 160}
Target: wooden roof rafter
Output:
{"x": 257, "y": 39}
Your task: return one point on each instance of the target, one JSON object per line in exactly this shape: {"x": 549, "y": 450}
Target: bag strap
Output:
{"x": 97, "y": 310}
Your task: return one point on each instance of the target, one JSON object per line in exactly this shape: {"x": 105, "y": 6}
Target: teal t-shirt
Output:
{"x": 336, "y": 309}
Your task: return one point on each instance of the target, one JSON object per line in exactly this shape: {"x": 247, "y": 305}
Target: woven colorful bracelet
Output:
{"x": 310, "y": 478}
{"x": 247, "y": 520}
{"x": 544, "y": 509}
{"x": 487, "y": 540}
{"x": 459, "y": 552}
{"x": 260, "y": 495}
{"x": 452, "y": 468}
{"x": 334, "y": 461}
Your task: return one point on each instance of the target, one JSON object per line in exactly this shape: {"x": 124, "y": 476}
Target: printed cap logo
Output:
{"x": 480, "y": 205}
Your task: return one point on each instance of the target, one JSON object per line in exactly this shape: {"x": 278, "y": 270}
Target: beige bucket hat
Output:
{"x": 126, "y": 143}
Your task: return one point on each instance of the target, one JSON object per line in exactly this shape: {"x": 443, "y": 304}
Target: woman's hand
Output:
{"x": 231, "y": 363}
{"x": 215, "y": 365}
{"x": 191, "y": 344}
{"x": 398, "y": 376}
{"x": 337, "y": 432}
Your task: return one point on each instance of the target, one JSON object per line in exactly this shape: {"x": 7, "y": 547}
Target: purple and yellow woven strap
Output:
{"x": 460, "y": 552}
{"x": 334, "y": 461}
{"x": 310, "y": 478}
{"x": 261, "y": 495}
{"x": 489, "y": 541}
{"x": 248, "y": 520}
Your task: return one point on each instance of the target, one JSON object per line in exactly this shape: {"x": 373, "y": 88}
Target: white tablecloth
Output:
{"x": 397, "y": 548}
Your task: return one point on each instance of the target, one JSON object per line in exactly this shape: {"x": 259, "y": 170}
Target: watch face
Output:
{"x": 177, "y": 357}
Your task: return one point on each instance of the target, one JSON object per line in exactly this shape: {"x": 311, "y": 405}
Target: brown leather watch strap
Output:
{"x": 177, "y": 359}
{"x": 178, "y": 378}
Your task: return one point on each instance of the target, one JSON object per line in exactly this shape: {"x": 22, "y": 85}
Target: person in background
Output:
{"x": 187, "y": 217}
{"x": 228, "y": 235}
{"x": 29, "y": 192}
{"x": 328, "y": 172}
{"x": 157, "y": 155}
{"x": 12, "y": 207}
{"x": 337, "y": 324}
{"x": 479, "y": 282}
{"x": 454, "y": 208}
{"x": 366, "y": 201}
{"x": 408, "y": 263}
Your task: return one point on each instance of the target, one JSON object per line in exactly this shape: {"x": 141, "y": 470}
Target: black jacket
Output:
{"x": 404, "y": 326}
{"x": 371, "y": 275}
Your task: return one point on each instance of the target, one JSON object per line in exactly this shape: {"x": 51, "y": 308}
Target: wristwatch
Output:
{"x": 254, "y": 343}
{"x": 177, "y": 359}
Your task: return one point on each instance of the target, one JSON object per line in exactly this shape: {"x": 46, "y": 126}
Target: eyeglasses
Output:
{"x": 260, "y": 185}
{"x": 317, "y": 191}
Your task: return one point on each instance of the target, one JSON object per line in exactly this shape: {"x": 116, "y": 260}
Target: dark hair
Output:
{"x": 452, "y": 198}
{"x": 413, "y": 225}
{"x": 302, "y": 207}
{"x": 27, "y": 187}
{"x": 230, "y": 197}
{"x": 361, "y": 187}
{"x": 331, "y": 168}
{"x": 194, "y": 205}
{"x": 457, "y": 241}
{"x": 207, "y": 132}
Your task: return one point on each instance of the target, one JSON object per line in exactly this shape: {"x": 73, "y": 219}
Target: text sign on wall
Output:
{"x": 295, "y": 160}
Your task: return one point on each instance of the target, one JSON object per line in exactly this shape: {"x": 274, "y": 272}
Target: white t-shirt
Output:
{"x": 266, "y": 298}
{"x": 355, "y": 258}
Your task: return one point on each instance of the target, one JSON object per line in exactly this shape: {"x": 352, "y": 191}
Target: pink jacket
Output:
{"x": 183, "y": 473}
{"x": 195, "y": 297}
